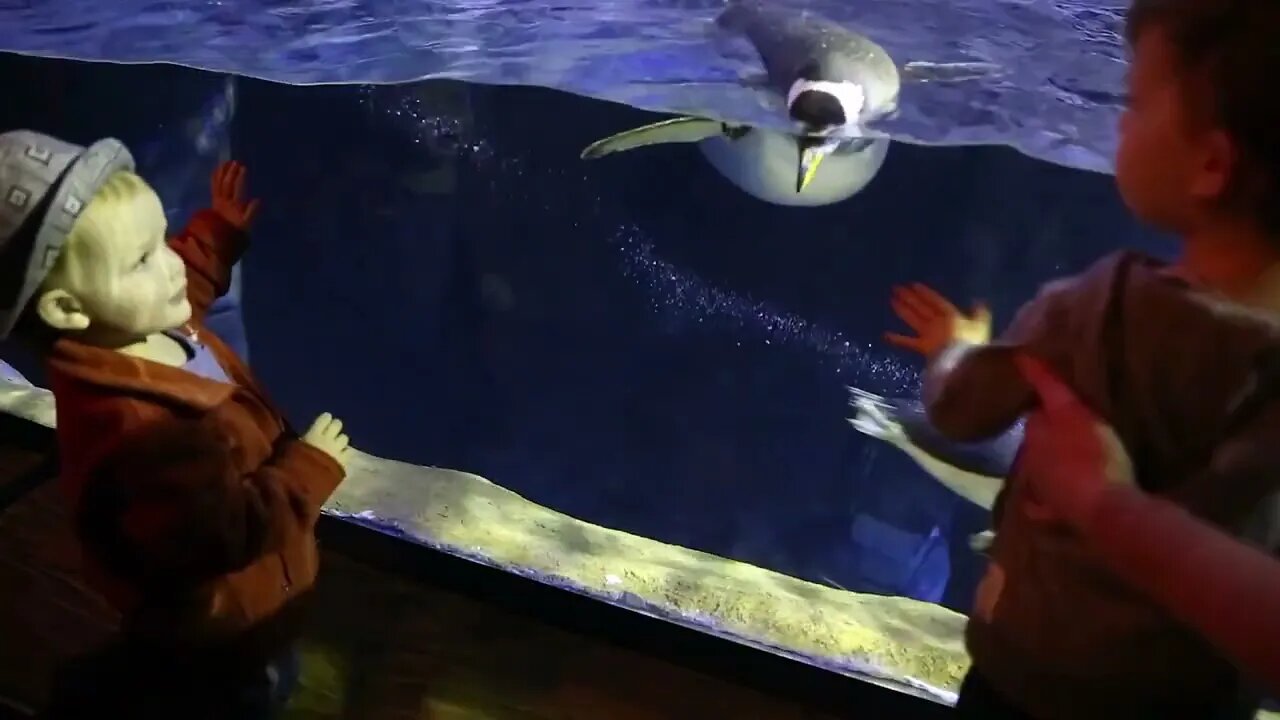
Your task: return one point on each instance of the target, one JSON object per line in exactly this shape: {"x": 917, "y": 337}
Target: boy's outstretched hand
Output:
{"x": 936, "y": 322}
{"x": 326, "y": 435}
{"x": 228, "y": 195}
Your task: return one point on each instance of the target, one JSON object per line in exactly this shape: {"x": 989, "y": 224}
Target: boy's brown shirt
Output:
{"x": 105, "y": 400}
{"x": 1165, "y": 364}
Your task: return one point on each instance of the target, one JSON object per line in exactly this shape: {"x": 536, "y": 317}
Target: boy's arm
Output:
{"x": 1188, "y": 550}
{"x": 167, "y": 509}
{"x": 975, "y": 392}
{"x": 1227, "y": 590}
{"x": 1220, "y": 587}
{"x": 210, "y": 246}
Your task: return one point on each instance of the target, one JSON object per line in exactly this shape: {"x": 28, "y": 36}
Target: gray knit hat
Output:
{"x": 44, "y": 184}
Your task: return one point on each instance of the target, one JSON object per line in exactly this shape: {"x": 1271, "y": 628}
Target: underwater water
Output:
{"x": 633, "y": 341}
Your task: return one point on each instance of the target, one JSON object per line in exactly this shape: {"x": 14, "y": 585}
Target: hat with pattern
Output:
{"x": 44, "y": 185}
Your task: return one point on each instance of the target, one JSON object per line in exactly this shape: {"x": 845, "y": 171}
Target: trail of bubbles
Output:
{"x": 682, "y": 299}
{"x": 429, "y": 115}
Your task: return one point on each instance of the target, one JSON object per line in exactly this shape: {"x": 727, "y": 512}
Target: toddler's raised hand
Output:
{"x": 326, "y": 436}
{"x": 228, "y": 195}
{"x": 936, "y": 322}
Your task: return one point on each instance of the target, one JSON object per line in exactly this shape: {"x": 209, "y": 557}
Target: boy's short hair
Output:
{"x": 1228, "y": 53}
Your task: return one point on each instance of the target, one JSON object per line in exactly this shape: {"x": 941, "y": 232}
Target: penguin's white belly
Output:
{"x": 763, "y": 163}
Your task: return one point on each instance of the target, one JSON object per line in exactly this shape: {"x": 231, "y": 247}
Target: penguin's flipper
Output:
{"x": 677, "y": 130}
{"x": 857, "y": 145}
{"x": 874, "y": 417}
{"x": 751, "y": 80}
{"x": 948, "y": 72}
{"x": 900, "y": 425}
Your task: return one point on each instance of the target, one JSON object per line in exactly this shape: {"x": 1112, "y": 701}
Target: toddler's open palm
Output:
{"x": 229, "y": 197}
{"x": 326, "y": 435}
{"x": 935, "y": 320}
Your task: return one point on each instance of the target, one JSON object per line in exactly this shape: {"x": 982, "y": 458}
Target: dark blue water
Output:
{"x": 632, "y": 341}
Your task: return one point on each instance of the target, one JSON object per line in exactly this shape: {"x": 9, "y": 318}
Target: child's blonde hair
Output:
{"x": 114, "y": 209}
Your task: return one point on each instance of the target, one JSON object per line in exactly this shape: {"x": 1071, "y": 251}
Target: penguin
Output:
{"x": 833, "y": 83}
{"x": 974, "y": 471}
{"x": 772, "y": 166}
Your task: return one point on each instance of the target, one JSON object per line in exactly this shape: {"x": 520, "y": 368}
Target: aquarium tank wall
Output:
{"x": 631, "y": 343}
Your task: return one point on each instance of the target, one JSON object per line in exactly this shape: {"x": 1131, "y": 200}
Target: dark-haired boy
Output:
{"x": 1178, "y": 358}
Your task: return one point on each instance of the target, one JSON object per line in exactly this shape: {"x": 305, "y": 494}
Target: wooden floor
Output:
{"x": 45, "y": 611}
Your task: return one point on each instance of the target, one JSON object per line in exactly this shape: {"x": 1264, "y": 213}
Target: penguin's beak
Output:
{"x": 812, "y": 153}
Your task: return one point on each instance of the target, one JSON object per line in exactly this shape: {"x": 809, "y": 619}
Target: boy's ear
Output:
{"x": 1219, "y": 165}
{"x": 61, "y": 310}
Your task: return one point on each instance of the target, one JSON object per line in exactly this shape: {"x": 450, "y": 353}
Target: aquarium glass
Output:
{"x": 632, "y": 343}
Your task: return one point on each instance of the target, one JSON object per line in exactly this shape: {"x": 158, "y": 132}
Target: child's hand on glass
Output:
{"x": 936, "y": 322}
{"x": 326, "y": 435}
{"x": 228, "y": 195}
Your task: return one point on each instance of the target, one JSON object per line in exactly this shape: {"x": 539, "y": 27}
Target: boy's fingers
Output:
{"x": 908, "y": 314}
{"x": 250, "y": 210}
{"x": 908, "y": 295}
{"x": 931, "y": 296}
{"x": 910, "y": 305}
{"x": 224, "y": 178}
{"x": 224, "y": 171}
{"x": 981, "y": 312}
{"x": 1054, "y": 395}
{"x": 1037, "y": 511}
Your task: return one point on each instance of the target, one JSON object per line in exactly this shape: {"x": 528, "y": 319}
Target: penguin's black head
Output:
{"x": 817, "y": 110}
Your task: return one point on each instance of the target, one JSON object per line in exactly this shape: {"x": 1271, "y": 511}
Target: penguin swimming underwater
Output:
{"x": 833, "y": 82}
{"x": 769, "y": 165}
{"x": 974, "y": 471}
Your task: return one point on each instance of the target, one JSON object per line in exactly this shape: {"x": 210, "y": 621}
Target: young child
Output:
{"x": 1227, "y": 590}
{"x": 87, "y": 277}
{"x": 1177, "y": 358}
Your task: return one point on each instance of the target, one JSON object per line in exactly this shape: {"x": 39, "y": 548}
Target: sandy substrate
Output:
{"x": 903, "y": 642}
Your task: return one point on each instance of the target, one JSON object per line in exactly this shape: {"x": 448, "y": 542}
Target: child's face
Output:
{"x": 125, "y": 277}
{"x": 1171, "y": 167}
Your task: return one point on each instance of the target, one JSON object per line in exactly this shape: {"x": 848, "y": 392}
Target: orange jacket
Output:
{"x": 260, "y": 551}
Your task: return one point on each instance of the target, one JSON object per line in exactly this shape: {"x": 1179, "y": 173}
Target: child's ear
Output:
{"x": 1221, "y": 159}
{"x": 61, "y": 311}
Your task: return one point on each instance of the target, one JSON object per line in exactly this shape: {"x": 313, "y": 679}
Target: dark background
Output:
{"x": 631, "y": 341}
